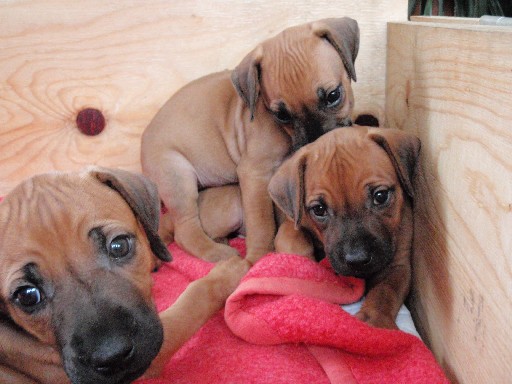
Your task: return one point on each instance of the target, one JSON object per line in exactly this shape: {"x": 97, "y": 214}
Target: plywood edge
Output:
{"x": 445, "y": 20}
{"x": 452, "y": 25}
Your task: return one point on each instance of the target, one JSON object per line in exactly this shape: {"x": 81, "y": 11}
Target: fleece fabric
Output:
{"x": 284, "y": 324}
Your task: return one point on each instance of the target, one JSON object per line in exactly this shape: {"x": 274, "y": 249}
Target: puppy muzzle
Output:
{"x": 311, "y": 126}
{"x": 346, "y": 122}
{"x": 362, "y": 260}
{"x": 111, "y": 344}
{"x": 358, "y": 259}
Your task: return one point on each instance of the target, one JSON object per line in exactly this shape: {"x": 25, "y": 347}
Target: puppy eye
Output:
{"x": 381, "y": 196}
{"x": 333, "y": 98}
{"x": 283, "y": 116}
{"x": 27, "y": 297}
{"x": 120, "y": 247}
{"x": 319, "y": 211}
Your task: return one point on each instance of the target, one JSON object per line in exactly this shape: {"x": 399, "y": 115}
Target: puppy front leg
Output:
{"x": 26, "y": 360}
{"x": 258, "y": 209}
{"x": 386, "y": 294}
{"x": 388, "y": 289}
{"x": 12, "y": 377}
{"x": 201, "y": 300}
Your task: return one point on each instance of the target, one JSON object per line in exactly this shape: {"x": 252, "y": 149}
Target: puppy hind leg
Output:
{"x": 179, "y": 192}
{"x": 220, "y": 211}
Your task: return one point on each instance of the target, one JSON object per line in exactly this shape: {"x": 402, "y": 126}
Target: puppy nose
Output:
{"x": 112, "y": 355}
{"x": 357, "y": 258}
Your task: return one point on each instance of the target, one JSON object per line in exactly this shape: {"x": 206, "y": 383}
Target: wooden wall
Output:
{"x": 126, "y": 58}
{"x": 452, "y": 85}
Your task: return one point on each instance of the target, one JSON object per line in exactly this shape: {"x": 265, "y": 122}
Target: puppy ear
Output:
{"x": 343, "y": 34}
{"x": 246, "y": 78}
{"x": 286, "y": 186}
{"x": 403, "y": 149}
{"x": 142, "y": 197}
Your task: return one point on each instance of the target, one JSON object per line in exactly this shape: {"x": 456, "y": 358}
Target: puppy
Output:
{"x": 238, "y": 126}
{"x": 348, "y": 197}
{"x": 76, "y": 253}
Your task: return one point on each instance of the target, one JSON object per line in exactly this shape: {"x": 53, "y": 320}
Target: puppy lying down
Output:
{"x": 76, "y": 255}
{"x": 346, "y": 197}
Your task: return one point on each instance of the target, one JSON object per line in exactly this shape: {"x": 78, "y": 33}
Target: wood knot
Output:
{"x": 90, "y": 121}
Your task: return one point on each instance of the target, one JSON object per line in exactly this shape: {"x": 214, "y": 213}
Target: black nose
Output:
{"x": 112, "y": 355}
{"x": 358, "y": 258}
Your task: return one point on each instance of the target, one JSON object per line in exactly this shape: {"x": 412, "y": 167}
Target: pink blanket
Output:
{"x": 284, "y": 325}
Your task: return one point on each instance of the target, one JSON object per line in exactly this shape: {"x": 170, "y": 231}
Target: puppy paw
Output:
{"x": 226, "y": 275}
{"x": 377, "y": 320}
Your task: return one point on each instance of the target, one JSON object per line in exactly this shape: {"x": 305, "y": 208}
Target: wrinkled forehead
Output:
{"x": 55, "y": 209}
{"x": 347, "y": 159}
{"x": 61, "y": 196}
{"x": 296, "y": 64}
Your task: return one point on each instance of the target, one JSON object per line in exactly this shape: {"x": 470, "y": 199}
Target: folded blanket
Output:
{"x": 284, "y": 324}
{"x": 264, "y": 310}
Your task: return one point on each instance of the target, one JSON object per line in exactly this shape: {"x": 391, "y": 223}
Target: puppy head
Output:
{"x": 76, "y": 252}
{"x": 303, "y": 77}
{"x": 349, "y": 190}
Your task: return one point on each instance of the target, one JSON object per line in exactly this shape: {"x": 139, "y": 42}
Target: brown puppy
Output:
{"x": 348, "y": 197}
{"x": 76, "y": 252}
{"x": 287, "y": 92}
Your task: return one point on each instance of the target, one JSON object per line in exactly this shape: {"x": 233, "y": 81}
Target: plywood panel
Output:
{"x": 452, "y": 85}
{"x": 126, "y": 58}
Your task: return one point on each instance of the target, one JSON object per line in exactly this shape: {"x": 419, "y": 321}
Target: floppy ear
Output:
{"x": 403, "y": 149}
{"x": 246, "y": 78}
{"x": 142, "y": 197}
{"x": 286, "y": 186}
{"x": 343, "y": 34}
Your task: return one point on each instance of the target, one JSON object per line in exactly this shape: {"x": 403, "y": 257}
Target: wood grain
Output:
{"x": 452, "y": 85}
{"x": 126, "y": 58}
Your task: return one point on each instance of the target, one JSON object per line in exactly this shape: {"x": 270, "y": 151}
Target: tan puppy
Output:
{"x": 237, "y": 127}
{"x": 348, "y": 197}
{"x": 76, "y": 252}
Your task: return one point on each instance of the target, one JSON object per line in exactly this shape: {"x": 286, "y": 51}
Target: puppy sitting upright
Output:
{"x": 348, "y": 196}
{"x": 287, "y": 92}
